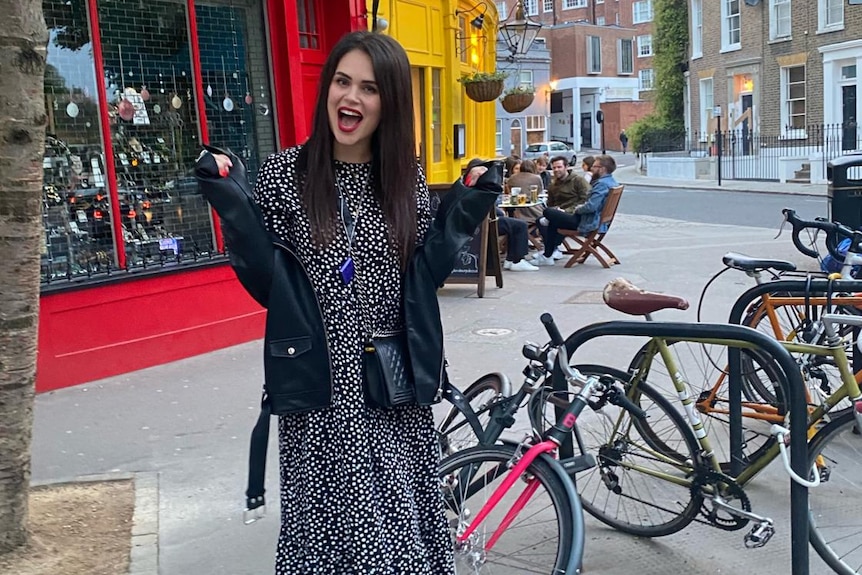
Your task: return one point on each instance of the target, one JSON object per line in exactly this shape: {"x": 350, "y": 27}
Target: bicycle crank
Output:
{"x": 718, "y": 490}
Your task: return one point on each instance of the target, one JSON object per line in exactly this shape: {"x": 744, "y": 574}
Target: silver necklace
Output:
{"x": 349, "y": 222}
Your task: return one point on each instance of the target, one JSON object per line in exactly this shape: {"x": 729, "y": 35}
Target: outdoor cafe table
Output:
{"x": 521, "y": 212}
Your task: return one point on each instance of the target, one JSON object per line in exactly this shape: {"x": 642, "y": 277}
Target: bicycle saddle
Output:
{"x": 747, "y": 264}
{"x": 622, "y": 295}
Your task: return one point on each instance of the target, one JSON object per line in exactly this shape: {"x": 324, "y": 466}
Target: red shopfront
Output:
{"x": 133, "y": 266}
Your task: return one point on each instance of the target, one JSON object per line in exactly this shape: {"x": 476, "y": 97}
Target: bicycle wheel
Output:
{"x": 835, "y": 506}
{"x": 538, "y": 540}
{"x": 820, "y": 373}
{"x": 623, "y": 490}
{"x": 703, "y": 365}
{"x": 455, "y": 432}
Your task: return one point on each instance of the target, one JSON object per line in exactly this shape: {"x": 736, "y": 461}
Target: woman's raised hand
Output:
{"x": 473, "y": 175}
{"x": 224, "y": 164}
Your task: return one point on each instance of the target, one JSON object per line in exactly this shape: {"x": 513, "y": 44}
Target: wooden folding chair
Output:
{"x": 592, "y": 244}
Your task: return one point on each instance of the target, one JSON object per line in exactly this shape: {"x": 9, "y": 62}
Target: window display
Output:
{"x": 145, "y": 194}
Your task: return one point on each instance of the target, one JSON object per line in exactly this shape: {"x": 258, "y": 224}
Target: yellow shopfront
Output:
{"x": 443, "y": 43}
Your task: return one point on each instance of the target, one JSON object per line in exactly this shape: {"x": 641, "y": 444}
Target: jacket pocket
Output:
{"x": 292, "y": 347}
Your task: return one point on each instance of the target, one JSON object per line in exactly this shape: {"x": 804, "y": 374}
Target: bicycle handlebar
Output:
{"x": 835, "y": 232}
{"x": 551, "y": 327}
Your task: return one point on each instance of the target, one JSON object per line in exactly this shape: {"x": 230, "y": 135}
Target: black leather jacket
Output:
{"x": 296, "y": 355}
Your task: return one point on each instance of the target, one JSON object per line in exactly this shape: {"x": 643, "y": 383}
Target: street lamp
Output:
{"x": 519, "y": 32}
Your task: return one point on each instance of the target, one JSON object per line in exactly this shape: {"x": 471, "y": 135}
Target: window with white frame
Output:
{"x": 730, "y": 35}
{"x": 531, "y": 7}
{"x": 600, "y": 1}
{"x": 498, "y": 136}
{"x": 779, "y": 19}
{"x": 696, "y": 28}
{"x": 594, "y": 55}
{"x": 569, "y": 4}
{"x": 642, "y": 11}
{"x": 548, "y": 5}
{"x": 706, "y": 106}
{"x": 501, "y": 9}
{"x": 793, "y": 106}
{"x": 535, "y": 123}
{"x": 525, "y": 79}
{"x": 625, "y": 59}
{"x": 646, "y": 79}
{"x": 600, "y": 20}
{"x": 645, "y": 45}
{"x": 830, "y": 14}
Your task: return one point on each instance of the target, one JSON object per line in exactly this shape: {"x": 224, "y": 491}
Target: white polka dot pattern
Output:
{"x": 359, "y": 489}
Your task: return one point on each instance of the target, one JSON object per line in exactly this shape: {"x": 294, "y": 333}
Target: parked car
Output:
{"x": 551, "y": 149}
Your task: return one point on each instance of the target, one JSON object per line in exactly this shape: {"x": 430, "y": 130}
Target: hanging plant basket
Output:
{"x": 484, "y": 90}
{"x": 514, "y": 103}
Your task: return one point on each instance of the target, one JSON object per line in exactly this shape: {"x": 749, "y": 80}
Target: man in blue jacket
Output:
{"x": 587, "y": 216}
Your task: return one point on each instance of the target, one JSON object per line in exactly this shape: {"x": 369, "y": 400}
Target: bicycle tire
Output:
{"x": 610, "y": 452}
{"x": 834, "y": 524}
{"x": 757, "y": 438}
{"x": 517, "y": 550}
{"x": 455, "y": 433}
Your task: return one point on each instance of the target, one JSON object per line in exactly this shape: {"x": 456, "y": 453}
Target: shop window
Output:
{"x": 309, "y": 27}
{"x": 78, "y": 237}
{"x": 154, "y": 130}
{"x": 233, "y": 65}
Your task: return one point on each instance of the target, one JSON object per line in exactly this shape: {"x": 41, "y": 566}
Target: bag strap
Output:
{"x": 257, "y": 464}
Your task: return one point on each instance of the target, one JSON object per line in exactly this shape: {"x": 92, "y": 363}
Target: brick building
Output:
{"x": 777, "y": 67}
{"x": 601, "y": 58}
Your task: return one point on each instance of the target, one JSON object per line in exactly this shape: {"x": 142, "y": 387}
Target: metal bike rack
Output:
{"x": 791, "y": 383}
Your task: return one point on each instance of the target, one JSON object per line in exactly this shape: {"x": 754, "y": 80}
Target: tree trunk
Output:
{"x": 23, "y": 43}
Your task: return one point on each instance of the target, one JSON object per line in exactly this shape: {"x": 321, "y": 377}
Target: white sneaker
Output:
{"x": 543, "y": 221}
{"x": 541, "y": 260}
{"x": 523, "y": 266}
{"x": 558, "y": 255}
{"x": 507, "y": 265}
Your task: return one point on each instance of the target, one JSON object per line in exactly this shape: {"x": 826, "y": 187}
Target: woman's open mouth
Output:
{"x": 348, "y": 119}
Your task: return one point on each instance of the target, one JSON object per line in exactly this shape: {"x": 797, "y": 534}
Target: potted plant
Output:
{"x": 483, "y": 86}
{"x": 517, "y": 99}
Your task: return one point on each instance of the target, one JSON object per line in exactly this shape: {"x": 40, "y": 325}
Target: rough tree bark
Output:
{"x": 23, "y": 43}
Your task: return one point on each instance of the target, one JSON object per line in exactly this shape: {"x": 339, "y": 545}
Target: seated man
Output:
{"x": 584, "y": 216}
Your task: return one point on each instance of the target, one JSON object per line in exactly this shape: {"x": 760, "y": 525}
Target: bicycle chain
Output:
{"x": 730, "y": 490}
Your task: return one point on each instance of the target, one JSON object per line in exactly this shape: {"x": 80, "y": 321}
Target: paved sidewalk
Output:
{"x": 190, "y": 420}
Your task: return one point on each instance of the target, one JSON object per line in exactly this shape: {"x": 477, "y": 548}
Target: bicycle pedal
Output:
{"x": 579, "y": 463}
{"x": 759, "y": 535}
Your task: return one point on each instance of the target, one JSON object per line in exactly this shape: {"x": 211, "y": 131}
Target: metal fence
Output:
{"x": 750, "y": 155}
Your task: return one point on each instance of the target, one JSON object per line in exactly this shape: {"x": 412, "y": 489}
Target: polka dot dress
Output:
{"x": 359, "y": 490}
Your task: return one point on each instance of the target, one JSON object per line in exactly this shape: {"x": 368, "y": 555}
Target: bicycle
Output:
{"x": 655, "y": 476}
{"x": 488, "y": 471}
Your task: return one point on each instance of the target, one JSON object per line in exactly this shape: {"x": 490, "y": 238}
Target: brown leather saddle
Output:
{"x": 622, "y": 295}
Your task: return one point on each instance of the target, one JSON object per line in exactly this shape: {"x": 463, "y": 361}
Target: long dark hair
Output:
{"x": 393, "y": 167}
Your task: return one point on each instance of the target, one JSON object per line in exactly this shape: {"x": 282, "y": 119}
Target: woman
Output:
{"x": 349, "y": 211}
{"x": 587, "y": 166}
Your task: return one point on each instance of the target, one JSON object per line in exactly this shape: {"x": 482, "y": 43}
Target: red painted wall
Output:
{"x": 98, "y": 332}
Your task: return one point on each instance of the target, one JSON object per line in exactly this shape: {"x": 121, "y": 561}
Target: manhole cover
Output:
{"x": 493, "y": 331}
{"x": 590, "y": 296}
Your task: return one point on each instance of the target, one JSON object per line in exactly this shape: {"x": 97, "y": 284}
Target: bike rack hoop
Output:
{"x": 790, "y": 380}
